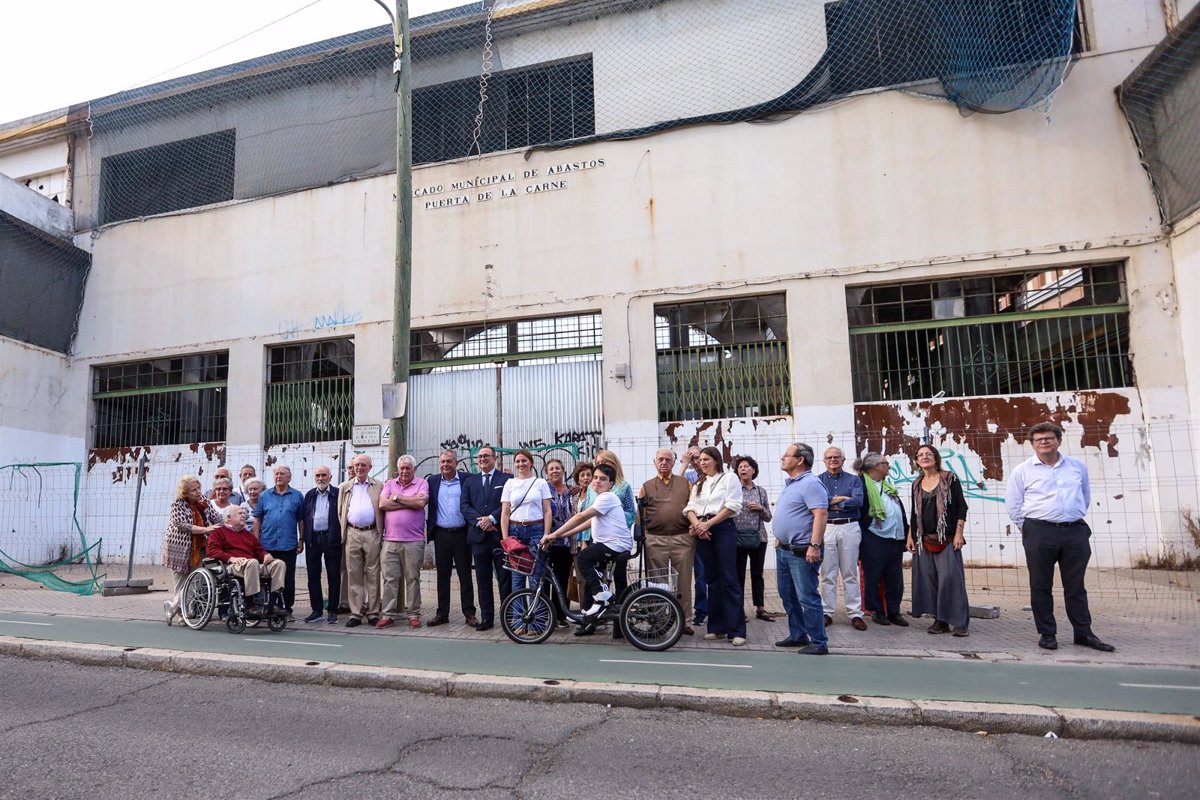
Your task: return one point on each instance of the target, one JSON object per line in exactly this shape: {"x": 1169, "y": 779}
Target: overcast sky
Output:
{"x": 59, "y": 52}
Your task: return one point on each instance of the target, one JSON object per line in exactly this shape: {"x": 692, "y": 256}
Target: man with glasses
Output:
{"x": 842, "y": 539}
{"x": 799, "y": 525}
{"x": 323, "y": 542}
{"x": 1047, "y": 499}
{"x": 481, "y": 499}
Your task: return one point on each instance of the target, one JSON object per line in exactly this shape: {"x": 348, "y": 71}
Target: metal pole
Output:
{"x": 402, "y": 311}
{"x": 137, "y": 504}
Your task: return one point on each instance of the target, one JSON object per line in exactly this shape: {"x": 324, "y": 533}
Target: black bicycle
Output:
{"x": 648, "y": 611}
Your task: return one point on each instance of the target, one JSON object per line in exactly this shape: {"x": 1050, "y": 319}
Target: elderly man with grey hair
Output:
{"x": 362, "y": 521}
{"x": 669, "y": 542}
{"x": 403, "y": 502}
{"x": 279, "y": 524}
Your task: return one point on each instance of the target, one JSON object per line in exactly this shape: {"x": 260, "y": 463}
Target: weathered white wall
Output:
{"x": 39, "y": 159}
{"x": 41, "y": 414}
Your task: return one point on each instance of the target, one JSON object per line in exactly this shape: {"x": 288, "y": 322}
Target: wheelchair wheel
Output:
{"x": 198, "y": 599}
{"x": 277, "y": 624}
{"x": 527, "y": 618}
{"x": 651, "y": 619}
{"x": 236, "y": 623}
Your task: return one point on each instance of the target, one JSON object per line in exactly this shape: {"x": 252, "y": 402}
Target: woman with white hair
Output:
{"x": 192, "y": 517}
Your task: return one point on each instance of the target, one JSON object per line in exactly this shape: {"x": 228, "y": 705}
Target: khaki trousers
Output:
{"x": 249, "y": 571}
{"x": 676, "y": 550}
{"x": 362, "y": 572}
{"x": 401, "y": 563}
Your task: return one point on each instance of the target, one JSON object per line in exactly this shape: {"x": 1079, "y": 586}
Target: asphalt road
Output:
{"x": 68, "y": 731}
{"x": 1121, "y": 688}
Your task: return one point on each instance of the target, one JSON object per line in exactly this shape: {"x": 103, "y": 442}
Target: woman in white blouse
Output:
{"x": 716, "y": 498}
{"x": 525, "y": 511}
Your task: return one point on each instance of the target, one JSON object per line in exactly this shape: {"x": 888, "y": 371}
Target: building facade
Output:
{"x": 869, "y": 273}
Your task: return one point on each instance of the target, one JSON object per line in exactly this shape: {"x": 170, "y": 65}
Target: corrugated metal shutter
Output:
{"x": 553, "y": 409}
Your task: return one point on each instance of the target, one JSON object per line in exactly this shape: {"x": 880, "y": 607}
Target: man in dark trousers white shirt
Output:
{"x": 1047, "y": 498}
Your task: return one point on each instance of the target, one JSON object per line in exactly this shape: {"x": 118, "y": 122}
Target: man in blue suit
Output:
{"x": 481, "y": 510}
{"x": 323, "y": 542}
{"x": 446, "y": 527}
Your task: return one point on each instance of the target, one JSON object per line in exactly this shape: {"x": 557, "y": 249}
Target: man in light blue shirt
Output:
{"x": 278, "y": 524}
{"x": 446, "y": 527}
{"x": 843, "y": 537}
{"x": 1047, "y": 498}
{"x": 799, "y": 525}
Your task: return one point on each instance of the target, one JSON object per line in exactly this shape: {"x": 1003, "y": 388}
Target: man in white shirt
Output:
{"x": 362, "y": 523}
{"x": 1047, "y": 498}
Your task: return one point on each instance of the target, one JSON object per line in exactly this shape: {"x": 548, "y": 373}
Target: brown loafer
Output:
{"x": 472, "y": 621}
{"x": 687, "y": 631}
{"x": 433, "y": 623}
{"x": 858, "y": 623}
{"x": 937, "y": 627}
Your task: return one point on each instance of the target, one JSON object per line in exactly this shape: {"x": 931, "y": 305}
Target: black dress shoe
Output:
{"x": 439, "y": 620}
{"x": 372, "y": 621}
{"x": 897, "y": 619}
{"x": 879, "y": 618}
{"x": 828, "y": 620}
{"x": 699, "y": 619}
{"x": 486, "y": 625}
{"x": 790, "y": 642}
{"x": 1094, "y": 643}
{"x": 1048, "y": 642}
{"x": 353, "y": 622}
{"x": 814, "y": 650}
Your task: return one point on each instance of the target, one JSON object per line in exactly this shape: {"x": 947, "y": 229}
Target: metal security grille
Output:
{"x": 176, "y": 400}
{"x": 310, "y": 392}
{"x": 722, "y": 358}
{"x": 1064, "y": 329}
{"x": 546, "y": 103}
{"x": 545, "y": 340}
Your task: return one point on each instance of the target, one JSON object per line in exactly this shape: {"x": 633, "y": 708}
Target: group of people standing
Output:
{"x": 369, "y": 537}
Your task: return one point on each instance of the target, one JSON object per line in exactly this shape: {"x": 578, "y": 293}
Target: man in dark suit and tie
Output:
{"x": 323, "y": 542}
{"x": 446, "y": 527}
{"x": 481, "y": 510}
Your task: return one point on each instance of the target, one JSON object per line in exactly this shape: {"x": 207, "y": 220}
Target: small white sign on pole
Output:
{"x": 365, "y": 436}
{"x": 395, "y": 397}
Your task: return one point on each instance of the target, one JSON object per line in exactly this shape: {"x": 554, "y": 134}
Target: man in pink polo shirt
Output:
{"x": 402, "y": 502}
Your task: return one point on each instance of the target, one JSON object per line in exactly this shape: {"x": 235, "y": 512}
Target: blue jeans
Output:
{"x": 531, "y": 535}
{"x": 799, "y": 585}
{"x": 726, "y": 615}
{"x": 701, "y": 589}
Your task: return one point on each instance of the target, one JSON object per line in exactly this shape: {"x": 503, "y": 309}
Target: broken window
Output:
{"x": 543, "y": 340}
{"x": 172, "y": 400}
{"x": 722, "y": 358}
{"x": 310, "y": 392}
{"x": 1049, "y": 330}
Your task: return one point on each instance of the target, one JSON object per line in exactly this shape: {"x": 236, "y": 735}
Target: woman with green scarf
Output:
{"x": 884, "y": 528}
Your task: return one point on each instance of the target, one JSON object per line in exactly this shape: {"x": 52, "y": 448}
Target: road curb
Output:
{"x": 992, "y": 718}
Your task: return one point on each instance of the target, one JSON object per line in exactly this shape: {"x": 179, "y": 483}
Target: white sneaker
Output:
{"x": 738, "y": 641}
{"x": 168, "y": 611}
{"x": 604, "y": 596}
{"x": 595, "y": 609}
{"x": 710, "y": 636}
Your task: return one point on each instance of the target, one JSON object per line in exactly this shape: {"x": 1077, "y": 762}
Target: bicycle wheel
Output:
{"x": 198, "y": 599}
{"x": 651, "y": 619}
{"x": 526, "y": 617}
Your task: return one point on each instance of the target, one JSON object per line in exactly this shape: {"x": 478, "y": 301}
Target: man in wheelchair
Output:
{"x": 245, "y": 558}
{"x": 611, "y": 538}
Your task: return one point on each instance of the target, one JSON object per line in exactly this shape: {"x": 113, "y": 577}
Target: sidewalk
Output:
{"x": 1160, "y": 626}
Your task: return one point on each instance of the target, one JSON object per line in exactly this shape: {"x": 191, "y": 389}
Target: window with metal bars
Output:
{"x": 722, "y": 358}
{"x": 528, "y": 106}
{"x": 1051, "y": 330}
{"x": 310, "y": 392}
{"x": 545, "y": 340}
{"x": 172, "y": 400}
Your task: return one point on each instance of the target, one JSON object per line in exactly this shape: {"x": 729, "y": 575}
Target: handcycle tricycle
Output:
{"x": 647, "y": 611}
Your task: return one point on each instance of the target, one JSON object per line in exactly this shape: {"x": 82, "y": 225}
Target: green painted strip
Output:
{"x": 190, "y": 387}
{"x": 988, "y": 319}
{"x": 500, "y": 358}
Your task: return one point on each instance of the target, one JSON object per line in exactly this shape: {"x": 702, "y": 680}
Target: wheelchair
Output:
{"x": 212, "y": 589}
